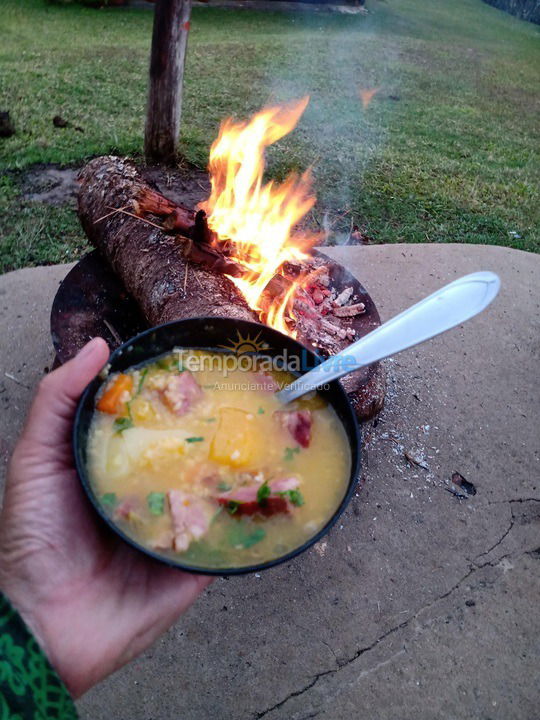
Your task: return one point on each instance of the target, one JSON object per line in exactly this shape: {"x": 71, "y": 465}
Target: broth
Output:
{"x": 213, "y": 470}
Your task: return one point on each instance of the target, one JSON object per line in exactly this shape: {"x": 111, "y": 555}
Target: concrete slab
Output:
{"x": 25, "y": 351}
{"x": 419, "y": 604}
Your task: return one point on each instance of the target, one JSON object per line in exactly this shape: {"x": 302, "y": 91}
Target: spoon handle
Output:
{"x": 450, "y": 306}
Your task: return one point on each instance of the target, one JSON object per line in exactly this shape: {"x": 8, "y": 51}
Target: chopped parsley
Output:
{"x": 122, "y": 423}
{"x": 169, "y": 362}
{"x": 263, "y": 493}
{"x": 194, "y": 439}
{"x": 142, "y": 378}
{"x": 295, "y": 496}
{"x": 223, "y": 486}
{"x": 290, "y": 453}
{"x": 156, "y": 502}
{"x": 260, "y": 411}
{"x": 109, "y": 500}
{"x": 241, "y": 536}
{"x": 210, "y": 420}
{"x": 218, "y": 511}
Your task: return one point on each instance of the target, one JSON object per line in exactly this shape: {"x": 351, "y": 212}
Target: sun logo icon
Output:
{"x": 246, "y": 344}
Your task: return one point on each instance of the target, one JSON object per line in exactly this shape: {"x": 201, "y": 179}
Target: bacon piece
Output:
{"x": 246, "y": 496}
{"x": 131, "y": 511}
{"x": 127, "y": 508}
{"x": 271, "y": 506}
{"x": 191, "y": 517}
{"x": 248, "y": 493}
{"x": 284, "y": 484}
{"x": 298, "y": 423}
{"x": 181, "y": 392}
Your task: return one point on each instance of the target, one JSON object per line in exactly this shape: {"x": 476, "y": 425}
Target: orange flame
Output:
{"x": 258, "y": 218}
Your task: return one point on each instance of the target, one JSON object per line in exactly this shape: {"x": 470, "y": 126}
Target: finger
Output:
{"x": 51, "y": 414}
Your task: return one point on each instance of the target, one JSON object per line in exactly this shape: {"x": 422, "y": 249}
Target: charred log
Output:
{"x": 152, "y": 264}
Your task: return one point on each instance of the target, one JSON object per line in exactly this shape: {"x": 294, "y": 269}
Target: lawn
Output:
{"x": 445, "y": 152}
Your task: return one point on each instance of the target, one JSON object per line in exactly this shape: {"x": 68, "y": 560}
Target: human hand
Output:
{"x": 92, "y": 601}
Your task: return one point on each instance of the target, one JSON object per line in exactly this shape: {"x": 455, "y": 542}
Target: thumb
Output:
{"x": 51, "y": 414}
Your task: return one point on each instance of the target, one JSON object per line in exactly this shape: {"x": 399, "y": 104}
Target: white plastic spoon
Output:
{"x": 450, "y": 306}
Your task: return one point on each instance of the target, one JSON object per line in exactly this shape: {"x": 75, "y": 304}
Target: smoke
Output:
{"x": 342, "y": 64}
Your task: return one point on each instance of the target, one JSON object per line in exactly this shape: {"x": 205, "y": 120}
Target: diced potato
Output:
{"x": 142, "y": 447}
{"x": 236, "y": 441}
{"x": 137, "y": 440}
{"x": 117, "y": 463}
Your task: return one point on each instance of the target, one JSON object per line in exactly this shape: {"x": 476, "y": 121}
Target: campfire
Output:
{"x": 250, "y": 230}
{"x": 240, "y": 254}
{"x": 258, "y": 219}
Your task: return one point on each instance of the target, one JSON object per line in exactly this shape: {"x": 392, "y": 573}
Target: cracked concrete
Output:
{"x": 421, "y": 604}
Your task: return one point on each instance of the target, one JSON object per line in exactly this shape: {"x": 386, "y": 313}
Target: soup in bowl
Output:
{"x": 185, "y": 450}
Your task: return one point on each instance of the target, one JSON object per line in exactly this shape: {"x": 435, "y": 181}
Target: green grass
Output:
{"x": 453, "y": 160}
{"x": 34, "y": 234}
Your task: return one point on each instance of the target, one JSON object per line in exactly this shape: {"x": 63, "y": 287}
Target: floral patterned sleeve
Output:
{"x": 30, "y": 689}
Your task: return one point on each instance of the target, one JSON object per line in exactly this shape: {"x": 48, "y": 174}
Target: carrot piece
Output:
{"x": 110, "y": 400}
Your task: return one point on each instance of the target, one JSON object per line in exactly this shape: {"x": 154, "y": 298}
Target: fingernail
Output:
{"x": 88, "y": 349}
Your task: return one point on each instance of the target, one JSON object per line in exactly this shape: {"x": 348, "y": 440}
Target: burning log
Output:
{"x": 154, "y": 203}
{"x": 152, "y": 264}
{"x": 175, "y": 218}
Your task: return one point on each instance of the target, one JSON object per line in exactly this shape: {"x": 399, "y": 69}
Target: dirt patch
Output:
{"x": 50, "y": 185}
{"x": 185, "y": 186}
{"x": 54, "y": 185}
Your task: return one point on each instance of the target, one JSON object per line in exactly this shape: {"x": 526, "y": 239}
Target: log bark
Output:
{"x": 167, "y": 58}
{"x": 150, "y": 263}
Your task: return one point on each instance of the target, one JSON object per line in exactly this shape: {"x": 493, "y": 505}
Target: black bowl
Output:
{"x": 211, "y": 333}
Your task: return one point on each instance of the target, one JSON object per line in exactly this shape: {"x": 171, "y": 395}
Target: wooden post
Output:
{"x": 169, "y": 42}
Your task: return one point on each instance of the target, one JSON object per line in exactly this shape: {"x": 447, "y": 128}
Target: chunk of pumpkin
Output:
{"x": 112, "y": 399}
{"x": 236, "y": 441}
